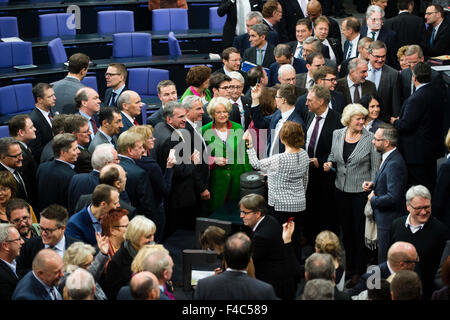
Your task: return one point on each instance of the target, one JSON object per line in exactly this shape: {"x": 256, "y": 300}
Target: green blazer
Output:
{"x": 188, "y": 92}
{"x": 225, "y": 180}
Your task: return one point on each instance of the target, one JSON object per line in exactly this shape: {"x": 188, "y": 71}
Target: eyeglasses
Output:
{"x": 236, "y": 87}
{"x": 378, "y": 57}
{"x": 111, "y": 74}
{"x": 19, "y": 220}
{"x": 13, "y": 240}
{"x": 4, "y": 189}
{"x": 247, "y": 212}
{"x": 426, "y": 208}
{"x": 225, "y": 87}
{"x": 331, "y": 80}
{"x": 48, "y": 230}
{"x": 15, "y": 156}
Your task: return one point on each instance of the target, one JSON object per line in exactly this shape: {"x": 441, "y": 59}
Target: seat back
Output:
{"x": 136, "y": 44}
{"x": 90, "y": 81}
{"x": 4, "y": 131}
{"x": 56, "y": 24}
{"x": 8, "y": 27}
{"x": 215, "y": 22}
{"x": 201, "y": 224}
{"x": 15, "y": 54}
{"x": 56, "y": 51}
{"x": 16, "y": 99}
{"x": 115, "y": 21}
{"x": 169, "y": 19}
{"x": 160, "y": 19}
{"x": 178, "y": 19}
{"x": 145, "y": 81}
{"x": 174, "y": 46}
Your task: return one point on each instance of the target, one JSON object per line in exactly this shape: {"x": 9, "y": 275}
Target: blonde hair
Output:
{"x": 139, "y": 226}
{"x": 144, "y": 130}
{"x": 328, "y": 242}
{"x": 401, "y": 52}
{"x": 128, "y": 140}
{"x": 211, "y": 108}
{"x": 447, "y": 140}
{"x": 77, "y": 255}
{"x": 352, "y": 109}
{"x": 143, "y": 253}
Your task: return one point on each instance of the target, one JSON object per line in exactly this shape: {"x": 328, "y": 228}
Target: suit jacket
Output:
{"x": 337, "y": 50}
{"x": 242, "y": 42}
{"x": 243, "y": 74}
{"x": 389, "y": 91}
{"x": 441, "y": 195}
{"x": 361, "y": 166}
{"x": 441, "y": 44}
{"x": 28, "y": 170}
{"x": 367, "y": 87}
{"x": 29, "y": 288}
{"x": 228, "y": 8}
{"x": 420, "y": 127}
{"x": 108, "y": 94}
{"x": 337, "y": 104}
{"x": 250, "y": 55}
{"x": 127, "y": 124}
{"x": 347, "y": 47}
{"x": 410, "y": 29}
{"x": 390, "y": 188}
{"x": 80, "y": 227}
{"x": 201, "y": 171}
{"x": 362, "y": 284}
{"x": 83, "y": 164}
{"x": 389, "y": 37}
{"x": 118, "y": 272}
{"x": 139, "y": 189}
{"x": 29, "y": 250}
{"x": 86, "y": 200}
{"x": 53, "y": 179}
{"x": 47, "y": 152}
{"x": 235, "y": 114}
{"x": 270, "y": 122}
{"x": 436, "y": 82}
{"x": 43, "y": 133}
{"x": 8, "y": 281}
{"x": 21, "y": 193}
{"x": 300, "y": 80}
{"x": 125, "y": 294}
{"x": 65, "y": 91}
{"x": 100, "y": 138}
{"x": 291, "y": 14}
{"x": 155, "y": 118}
{"x": 233, "y": 285}
{"x": 298, "y": 64}
{"x": 82, "y": 183}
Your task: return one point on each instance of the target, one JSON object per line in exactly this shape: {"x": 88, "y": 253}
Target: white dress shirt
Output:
{"x": 311, "y": 129}
{"x": 284, "y": 116}
{"x": 374, "y": 75}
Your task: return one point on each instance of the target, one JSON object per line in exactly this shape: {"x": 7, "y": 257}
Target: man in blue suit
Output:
{"x": 285, "y": 100}
{"x": 130, "y": 104}
{"x": 167, "y": 91}
{"x": 41, "y": 283}
{"x": 283, "y": 55}
{"x": 389, "y": 186}
{"x": 86, "y": 223}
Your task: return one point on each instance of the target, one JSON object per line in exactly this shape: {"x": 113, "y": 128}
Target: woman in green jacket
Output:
{"x": 228, "y": 159}
{"x": 198, "y": 80}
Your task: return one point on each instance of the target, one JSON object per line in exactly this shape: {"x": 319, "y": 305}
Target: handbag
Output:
{"x": 370, "y": 234}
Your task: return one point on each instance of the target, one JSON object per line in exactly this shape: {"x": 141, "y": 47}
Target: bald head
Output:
{"x": 402, "y": 255}
{"x": 113, "y": 175}
{"x": 47, "y": 265}
{"x": 130, "y": 102}
{"x": 144, "y": 286}
{"x": 160, "y": 264}
{"x": 313, "y": 9}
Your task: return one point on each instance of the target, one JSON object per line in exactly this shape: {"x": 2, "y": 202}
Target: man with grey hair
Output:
{"x": 313, "y": 44}
{"x": 80, "y": 285}
{"x": 144, "y": 286}
{"x": 167, "y": 91}
{"x": 388, "y": 188}
{"x": 241, "y": 104}
{"x": 425, "y": 232}
{"x": 355, "y": 85}
{"x": 261, "y": 51}
{"x": 318, "y": 289}
{"x": 87, "y": 102}
{"x": 406, "y": 285}
{"x": 10, "y": 245}
{"x": 284, "y": 56}
{"x": 129, "y": 102}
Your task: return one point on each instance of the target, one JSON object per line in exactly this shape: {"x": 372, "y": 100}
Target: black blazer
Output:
{"x": 436, "y": 82}
{"x": 441, "y": 43}
{"x": 441, "y": 195}
{"x": 269, "y": 58}
{"x": 291, "y": 14}
{"x": 367, "y": 87}
{"x": 389, "y": 91}
{"x": 43, "y": 133}
{"x": 338, "y": 104}
{"x": 228, "y": 8}
{"x": 242, "y": 42}
{"x": 8, "y": 281}
{"x": 86, "y": 199}
{"x": 28, "y": 170}
{"x": 20, "y": 189}
{"x": 83, "y": 164}
{"x": 118, "y": 273}
{"x": 298, "y": 64}
{"x": 155, "y": 118}
{"x": 410, "y": 29}
{"x": 29, "y": 250}
{"x": 337, "y": 50}
{"x": 108, "y": 94}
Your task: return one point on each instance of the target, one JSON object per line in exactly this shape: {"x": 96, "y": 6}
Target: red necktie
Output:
{"x": 94, "y": 125}
{"x": 135, "y": 122}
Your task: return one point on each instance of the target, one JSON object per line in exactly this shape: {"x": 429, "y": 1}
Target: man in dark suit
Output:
{"x": 362, "y": 52}
{"x": 240, "y": 112}
{"x": 283, "y": 55}
{"x": 130, "y": 104}
{"x": 272, "y": 13}
{"x": 85, "y": 224}
{"x": 65, "y": 89}
{"x": 333, "y": 48}
{"x": 138, "y": 187}
{"x": 110, "y": 120}
{"x": 167, "y": 91}
{"x": 314, "y": 10}
{"x": 441, "y": 195}
{"x": 303, "y": 30}
{"x": 261, "y": 51}
{"x": 10, "y": 244}
{"x": 78, "y": 125}
{"x": 231, "y": 59}
{"x": 385, "y": 79}
{"x": 388, "y": 188}
{"x": 115, "y": 76}
{"x": 11, "y": 160}
{"x": 292, "y": 12}
{"x": 438, "y": 32}
{"x": 410, "y": 29}
{"x": 374, "y": 29}
{"x": 58, "y": 125}
{"x": 319, "y": 194}
{"x": 22, "y": 129}
{"x": 314, "y": 61}
{"x": 285, "y": 104}
{"x": 42, "y": 117}
{"x": 43, "y": 281}
{"x": 286, "y": 75}
{"x": 231, "y": 8}
{"x": 421, "y": 130}
{"x": 350, "y": 29}
{"x": 355, "y": 85}
{"x": 88, "y": 103}
{"x": 53, "y": 177}
{"x": 53, "y": 224}
{"x": 234, "y": 284}
{"x": 144, "y": 286}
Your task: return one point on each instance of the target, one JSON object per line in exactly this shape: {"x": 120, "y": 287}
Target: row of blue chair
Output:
{"x": 109, "y": 22}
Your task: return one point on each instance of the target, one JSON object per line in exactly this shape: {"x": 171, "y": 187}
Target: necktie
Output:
{"x": 20, "y": 181}
{"x": 113, "y": 98}
{"x": 356, "y": 94}
{"x": 349, "y": 52}
{"x": 312, "y": 141}
{"x": 310, "y": 83}
{"x": 54, "y": 294}
{"x": 300, "y": 53}
{"x": 373, "y": 35}
{"x": 432, "y": 37}
{"x": 135, "y": 122}
{"x": 94, "y": 125}
{"x": 259, "y": 58}
{"x": 50, "y": 116}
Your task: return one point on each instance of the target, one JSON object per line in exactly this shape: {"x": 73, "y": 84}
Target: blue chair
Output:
{"x": 128, "y": 45}
{"x": 8, "y": 27}
{"x": 215, "y": 22}
{"x": 56, "y": 25}
{"x": 15, "y": 54}
{"x": 90, "y": 81}
{"x": 56, "y": 51}
{"x": 16, "y": 99}
{"x": 115, "y": 21}
{"x": 174, "y": 46}
{"x": 169, "y": 19}
{"x": 145, "y": 81}
{"x": 4, "y": 131}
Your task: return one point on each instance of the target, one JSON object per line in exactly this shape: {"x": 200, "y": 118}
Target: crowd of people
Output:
{"x": 347, "y": 136}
